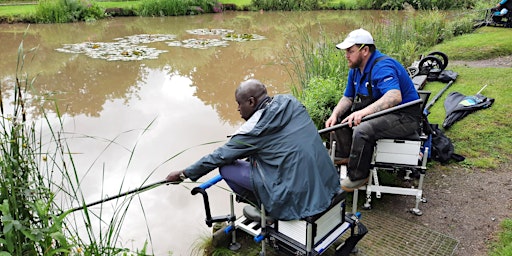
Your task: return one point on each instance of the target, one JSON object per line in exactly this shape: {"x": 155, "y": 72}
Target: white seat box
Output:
{"x": 398, "y": 151}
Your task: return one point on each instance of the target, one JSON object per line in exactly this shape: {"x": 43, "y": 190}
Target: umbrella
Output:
{"x": 458, "y": 106}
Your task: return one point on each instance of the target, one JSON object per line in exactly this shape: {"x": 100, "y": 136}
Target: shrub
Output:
{"x": 289, "y": 5}
{"x": 321, "y": 97}
{"x": 61, "y": 11}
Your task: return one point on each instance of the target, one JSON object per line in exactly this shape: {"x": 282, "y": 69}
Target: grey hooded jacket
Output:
{"x": 292, "y": 173}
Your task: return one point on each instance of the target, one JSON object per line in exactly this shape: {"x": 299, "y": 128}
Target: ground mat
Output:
{"x": 390, "y": 235}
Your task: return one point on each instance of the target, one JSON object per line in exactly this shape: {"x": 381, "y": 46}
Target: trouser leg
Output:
{"x": 238, "y": 178}
{"x": 392, "y": 126}
{"x": 343, "y": 138}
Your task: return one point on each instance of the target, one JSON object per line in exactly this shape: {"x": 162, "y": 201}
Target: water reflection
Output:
{"x": 154, "y": 109}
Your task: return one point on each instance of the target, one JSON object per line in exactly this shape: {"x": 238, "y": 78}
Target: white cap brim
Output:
{"x": 344, "y": 45}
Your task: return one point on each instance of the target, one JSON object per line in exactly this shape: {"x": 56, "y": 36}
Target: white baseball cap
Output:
{"x": 358, "y": 36}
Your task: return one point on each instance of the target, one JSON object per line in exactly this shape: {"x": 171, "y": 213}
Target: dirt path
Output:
{"x": 500, "y": 62}
{"x": 467, "y": 205}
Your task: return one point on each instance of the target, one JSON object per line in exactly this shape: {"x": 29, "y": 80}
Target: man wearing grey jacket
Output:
{"x": 276, "y": 157}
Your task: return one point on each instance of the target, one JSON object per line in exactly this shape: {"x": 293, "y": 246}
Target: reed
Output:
{"x": 30, "y": 223}
{"x": 39, "y": 181}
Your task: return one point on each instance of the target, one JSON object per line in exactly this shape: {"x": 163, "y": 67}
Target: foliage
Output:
{"x": 61, "y": 11}
{"x": 310, "y": 59}
{"x": 417, "y": 4}
{"x": 29, "y": 224}
{"x": 321, "y": 97}
{"x": 429, "y": 28}
{"x": 289, "y": 5}
{"x": 35, "y": 172}
{"x": 177, "y": 7}
{"x": 460, "y": 26}
{"x": 504, "y": 244}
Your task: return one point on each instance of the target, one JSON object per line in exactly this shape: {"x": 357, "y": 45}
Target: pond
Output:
{"x": 133, "y": 93}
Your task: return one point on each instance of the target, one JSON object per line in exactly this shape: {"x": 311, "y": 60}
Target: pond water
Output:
{"x": 128, "y": 121}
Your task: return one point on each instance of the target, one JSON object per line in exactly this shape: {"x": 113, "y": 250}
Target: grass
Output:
{"x": 485, "y": 43}
{"x": 475, "y": 135}
{"x": 17, "y": 10}
{"x": 503, "y": 245}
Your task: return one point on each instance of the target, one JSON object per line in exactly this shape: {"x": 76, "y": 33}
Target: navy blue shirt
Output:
{"x": 387, "y": 74}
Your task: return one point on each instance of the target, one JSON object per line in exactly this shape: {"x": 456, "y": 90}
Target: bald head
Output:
{"x": 248, "y": 95}
{"x": 251, "y": 88}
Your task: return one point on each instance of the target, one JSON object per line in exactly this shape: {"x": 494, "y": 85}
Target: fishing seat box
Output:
{"x": 397, "y": 151}
{"x": 317, "y": 232}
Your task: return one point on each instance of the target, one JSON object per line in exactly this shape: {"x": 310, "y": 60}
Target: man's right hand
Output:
{"x": 174, "y": 177}
{"x": 331, "y": 121}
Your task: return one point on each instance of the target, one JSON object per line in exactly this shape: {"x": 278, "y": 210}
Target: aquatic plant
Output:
{"x": 30, "y": 224}
{"x": 129, "y": 48}
{"x": 39, "y": 182}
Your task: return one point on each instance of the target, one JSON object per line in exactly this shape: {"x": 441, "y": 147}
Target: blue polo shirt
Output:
{"x": 387, "y": 74}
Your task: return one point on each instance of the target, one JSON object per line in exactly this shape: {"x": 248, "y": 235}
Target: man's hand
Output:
{"x": 343, "y": 106}
{"x": 331, "y": 121}
{"x": 355, "y": 118}
{"x": 175, "y": 177}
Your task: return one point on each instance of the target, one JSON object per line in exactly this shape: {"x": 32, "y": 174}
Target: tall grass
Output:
{"x": 319, "y": 67}
{"x": 30, "y": 224}
{"x": 39, "y": 182}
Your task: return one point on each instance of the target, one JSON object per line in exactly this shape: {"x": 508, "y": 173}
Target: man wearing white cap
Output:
{"x": 375, "y": 82}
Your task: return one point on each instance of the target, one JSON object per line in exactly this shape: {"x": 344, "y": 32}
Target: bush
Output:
{"x": 290, "y": 5}
{"x": 178, "y": 7}
{"x": 62, "y": 11}
{"x": 417, "y": 4}
{"x": 321, "y": 97}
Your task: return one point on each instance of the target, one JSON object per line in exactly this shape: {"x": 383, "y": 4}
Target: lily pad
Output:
{"x": 129, "y": 48}
{"x": 112, "y": 51}
{"x": 242, "y": 37}
{"x": 199, "y": 43}
{"x": 210, "y": 32}
{"x": 146, "y": 38}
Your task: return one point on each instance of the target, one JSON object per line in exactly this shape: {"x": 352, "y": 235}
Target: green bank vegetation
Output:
{"x": 59, "y": 11}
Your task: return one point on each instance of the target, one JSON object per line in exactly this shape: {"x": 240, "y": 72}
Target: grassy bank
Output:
{"x": 58, "y": 11}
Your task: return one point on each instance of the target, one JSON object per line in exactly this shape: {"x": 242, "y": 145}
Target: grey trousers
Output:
{"x": 357, "y": 143}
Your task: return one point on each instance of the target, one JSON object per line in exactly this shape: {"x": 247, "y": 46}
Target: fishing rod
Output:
{"x": 137, "y": 190}
{"x": 439, "y": 94}
{"x": 374, "y": 115}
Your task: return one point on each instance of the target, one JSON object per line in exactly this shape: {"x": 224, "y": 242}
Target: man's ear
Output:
{"x": 252, "y": 102}
{"x": 366, "y": 50}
